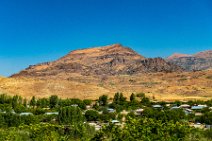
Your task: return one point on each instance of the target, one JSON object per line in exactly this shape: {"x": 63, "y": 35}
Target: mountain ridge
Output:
{"x": 90, "y": 73}
{"x": 107, "y": 60}
{"x": 199, "y": 61}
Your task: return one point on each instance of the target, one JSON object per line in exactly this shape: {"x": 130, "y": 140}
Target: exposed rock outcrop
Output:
{"x": 199, "y": 61}
{"x": 108, "y": 60}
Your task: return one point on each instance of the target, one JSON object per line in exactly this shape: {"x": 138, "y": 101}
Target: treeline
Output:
{"x": 19, "y": 104}
{"x": 53, "y": 118}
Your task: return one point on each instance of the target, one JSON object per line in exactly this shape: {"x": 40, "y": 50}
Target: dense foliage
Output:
{"x": 145, "y": 129}
{"x": 58, "y": 119}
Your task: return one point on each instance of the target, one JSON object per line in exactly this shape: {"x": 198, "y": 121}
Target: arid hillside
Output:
{"x": 161, "y": 86}
{"x": 89, "y": 73}
{"x": 107, "y": 60}
{"x": 198, "y": 61}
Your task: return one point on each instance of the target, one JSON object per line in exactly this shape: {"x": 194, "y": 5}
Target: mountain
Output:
{"x": 199, "y": 61}
{"x": 107, "y": 60}
{"x": 90, "y": 73}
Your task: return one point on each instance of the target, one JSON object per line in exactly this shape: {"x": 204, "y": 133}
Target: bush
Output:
{"x": 91, "y": 115}
{"x": 87, "y": 102}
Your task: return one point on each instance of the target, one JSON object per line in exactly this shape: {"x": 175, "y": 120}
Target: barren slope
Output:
{"x": 89, "y": 73}
{"x": 162, "y": 86}
{"x": 108, "y": 60}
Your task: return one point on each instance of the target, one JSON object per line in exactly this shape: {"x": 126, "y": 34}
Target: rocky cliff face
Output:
{"x": 199, "y": 61}
{"x": 108, "y": 60}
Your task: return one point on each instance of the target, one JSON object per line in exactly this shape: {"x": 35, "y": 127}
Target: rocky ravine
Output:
{"x": 108, "y": 60}
{"x": 199, "y": 61}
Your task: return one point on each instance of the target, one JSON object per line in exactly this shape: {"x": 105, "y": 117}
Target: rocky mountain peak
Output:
{"x": 110, "y": 49}
{"x": 107, "y": 60}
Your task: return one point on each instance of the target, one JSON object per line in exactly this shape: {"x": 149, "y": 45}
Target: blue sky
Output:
{"x": 34, "y": 31}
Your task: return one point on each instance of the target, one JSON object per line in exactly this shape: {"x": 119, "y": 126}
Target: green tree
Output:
{"x": 116, "y": 98}
{"x": 175, "y": 115}
{"x": 14, "y": 101}
{"x": 87, "y": 101}
{"x": 43, "y": 102}
{"x": 20, "y": 108}
{"x": 132, "y": 97}
{"x": 5, "y": 99}
{"x": 91, "y": 115}
{"x": 53, "y": 101}
{"x": 145, "y": 129}
{"x": 70, "y": 115}
{"x": 25, "y": 102}
{"x": 122, "y": 98}
{"x": 33, "y": 102}
{"x": 103, "y": 100}
{"x": 145, "y": 101}
{"x": 206, "y": 118}
{"x": 119, "y": 99}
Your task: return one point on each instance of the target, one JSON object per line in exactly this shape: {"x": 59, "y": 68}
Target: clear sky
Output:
{"x": 34, "y": 31}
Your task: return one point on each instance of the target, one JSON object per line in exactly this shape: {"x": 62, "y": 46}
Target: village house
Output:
{"x": 138, "y": 111}
{"x": 52, "y": 113}
{"x": 110, "y": 110}
{"x": 26, "y": 114}
{"x": 157, "y": 106}
{"x": 185, "y": 106}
